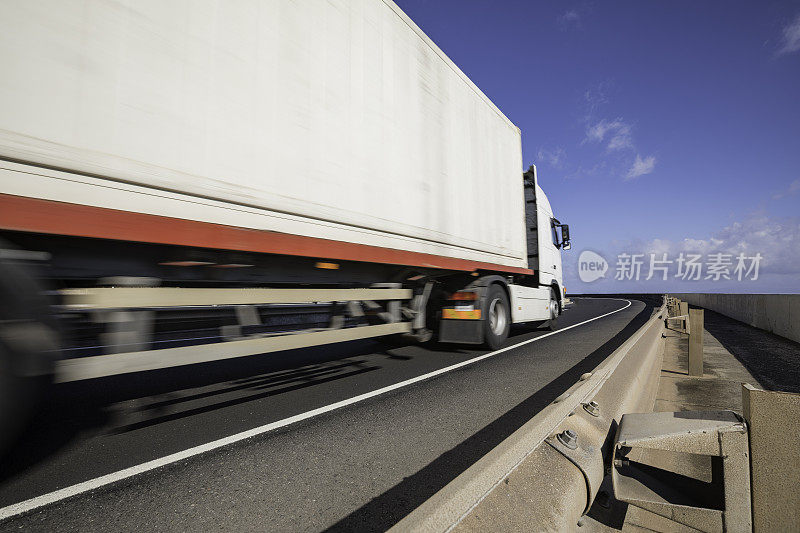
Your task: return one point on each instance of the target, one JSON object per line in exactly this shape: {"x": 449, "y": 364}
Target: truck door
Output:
{"x": 550, "y": 258}
{"x": 555, "y": 243}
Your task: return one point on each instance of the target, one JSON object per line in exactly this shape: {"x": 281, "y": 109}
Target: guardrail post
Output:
{"x": 695, "y": 342}
{"x": 684, "y": 308}
{"x": 640, "y": 479}
{"x": 673, "y": 307}
{"x": 772, "y": 420}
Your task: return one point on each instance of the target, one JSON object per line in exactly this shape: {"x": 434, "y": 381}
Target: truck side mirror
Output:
{"x": 566, "y": 246}
{"x": 565, "y": 234}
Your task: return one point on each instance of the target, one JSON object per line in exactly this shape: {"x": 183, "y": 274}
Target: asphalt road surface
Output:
{"x": 359, "y": 467}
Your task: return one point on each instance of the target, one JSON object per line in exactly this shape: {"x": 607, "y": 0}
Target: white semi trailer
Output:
{"x": 261, "y": 175}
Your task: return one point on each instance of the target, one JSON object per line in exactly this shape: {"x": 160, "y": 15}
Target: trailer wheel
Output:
{"x": 497, "y": 322}
{"x": 555, "y": 309}
{"x": 28, "y": 344}
{"x": 20, "y": 396}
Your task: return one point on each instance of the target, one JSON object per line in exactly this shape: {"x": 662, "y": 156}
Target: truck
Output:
{"x": 185, "y": 183}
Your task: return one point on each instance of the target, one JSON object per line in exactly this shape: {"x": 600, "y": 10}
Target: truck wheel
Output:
{"x": 498, "y": 317}
{"x": 19, "y": 398}
{"x": 28, "y": 344}
{"x": 555, "y": 310}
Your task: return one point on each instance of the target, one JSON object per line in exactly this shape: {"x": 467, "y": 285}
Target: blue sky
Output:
{"x": 657, "y": 127}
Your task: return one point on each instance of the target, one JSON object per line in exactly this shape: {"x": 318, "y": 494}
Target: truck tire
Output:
{"x": 497, "y": 321}
{"x": 28, "y": 344}
{"x": 19, "y": 398}
{"x": 555, "y": 310}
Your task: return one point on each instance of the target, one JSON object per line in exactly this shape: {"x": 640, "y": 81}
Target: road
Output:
{"x": 361, "y": 466}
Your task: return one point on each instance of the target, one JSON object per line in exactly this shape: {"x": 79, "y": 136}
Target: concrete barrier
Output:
{"x": 776, "y": 313}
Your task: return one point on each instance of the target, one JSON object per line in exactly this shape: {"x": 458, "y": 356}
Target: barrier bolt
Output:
{"x": 568, "y": 438}
{"x": 593, "y": 408}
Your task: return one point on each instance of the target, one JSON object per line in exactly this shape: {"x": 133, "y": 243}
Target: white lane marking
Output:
{"x": 85, "y": 486}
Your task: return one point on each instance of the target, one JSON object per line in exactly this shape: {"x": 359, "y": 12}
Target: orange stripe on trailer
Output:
{"x": 19, "y": 213}
{"x": 456, "y": 314}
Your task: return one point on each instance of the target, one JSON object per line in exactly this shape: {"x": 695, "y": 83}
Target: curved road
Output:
{"x": 306, "y": 466}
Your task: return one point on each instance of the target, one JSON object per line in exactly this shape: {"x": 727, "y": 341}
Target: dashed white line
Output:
{"x": 85, "y": 486}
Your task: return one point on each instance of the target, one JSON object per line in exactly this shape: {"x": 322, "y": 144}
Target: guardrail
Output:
{"x": 546, "y": 475}
{"x": 691, "y": 323}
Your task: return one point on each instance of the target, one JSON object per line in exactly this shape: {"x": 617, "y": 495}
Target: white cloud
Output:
{"x": 570, "y": 17}
{"x": 621, "y": 139}
{"x": 614, "y": 135}
{"x": 794, "y": 187}
{"x": 555, "y": 158}
{"x": 598, "y": 131}
{"x": 777, "y": 240}
{"x": 617, "y": 131}
{"x": 641, "y": 167}
{"x": 791, "y": 37}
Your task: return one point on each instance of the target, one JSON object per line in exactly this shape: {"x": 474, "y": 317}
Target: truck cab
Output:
{"x": 546, "y": 235}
